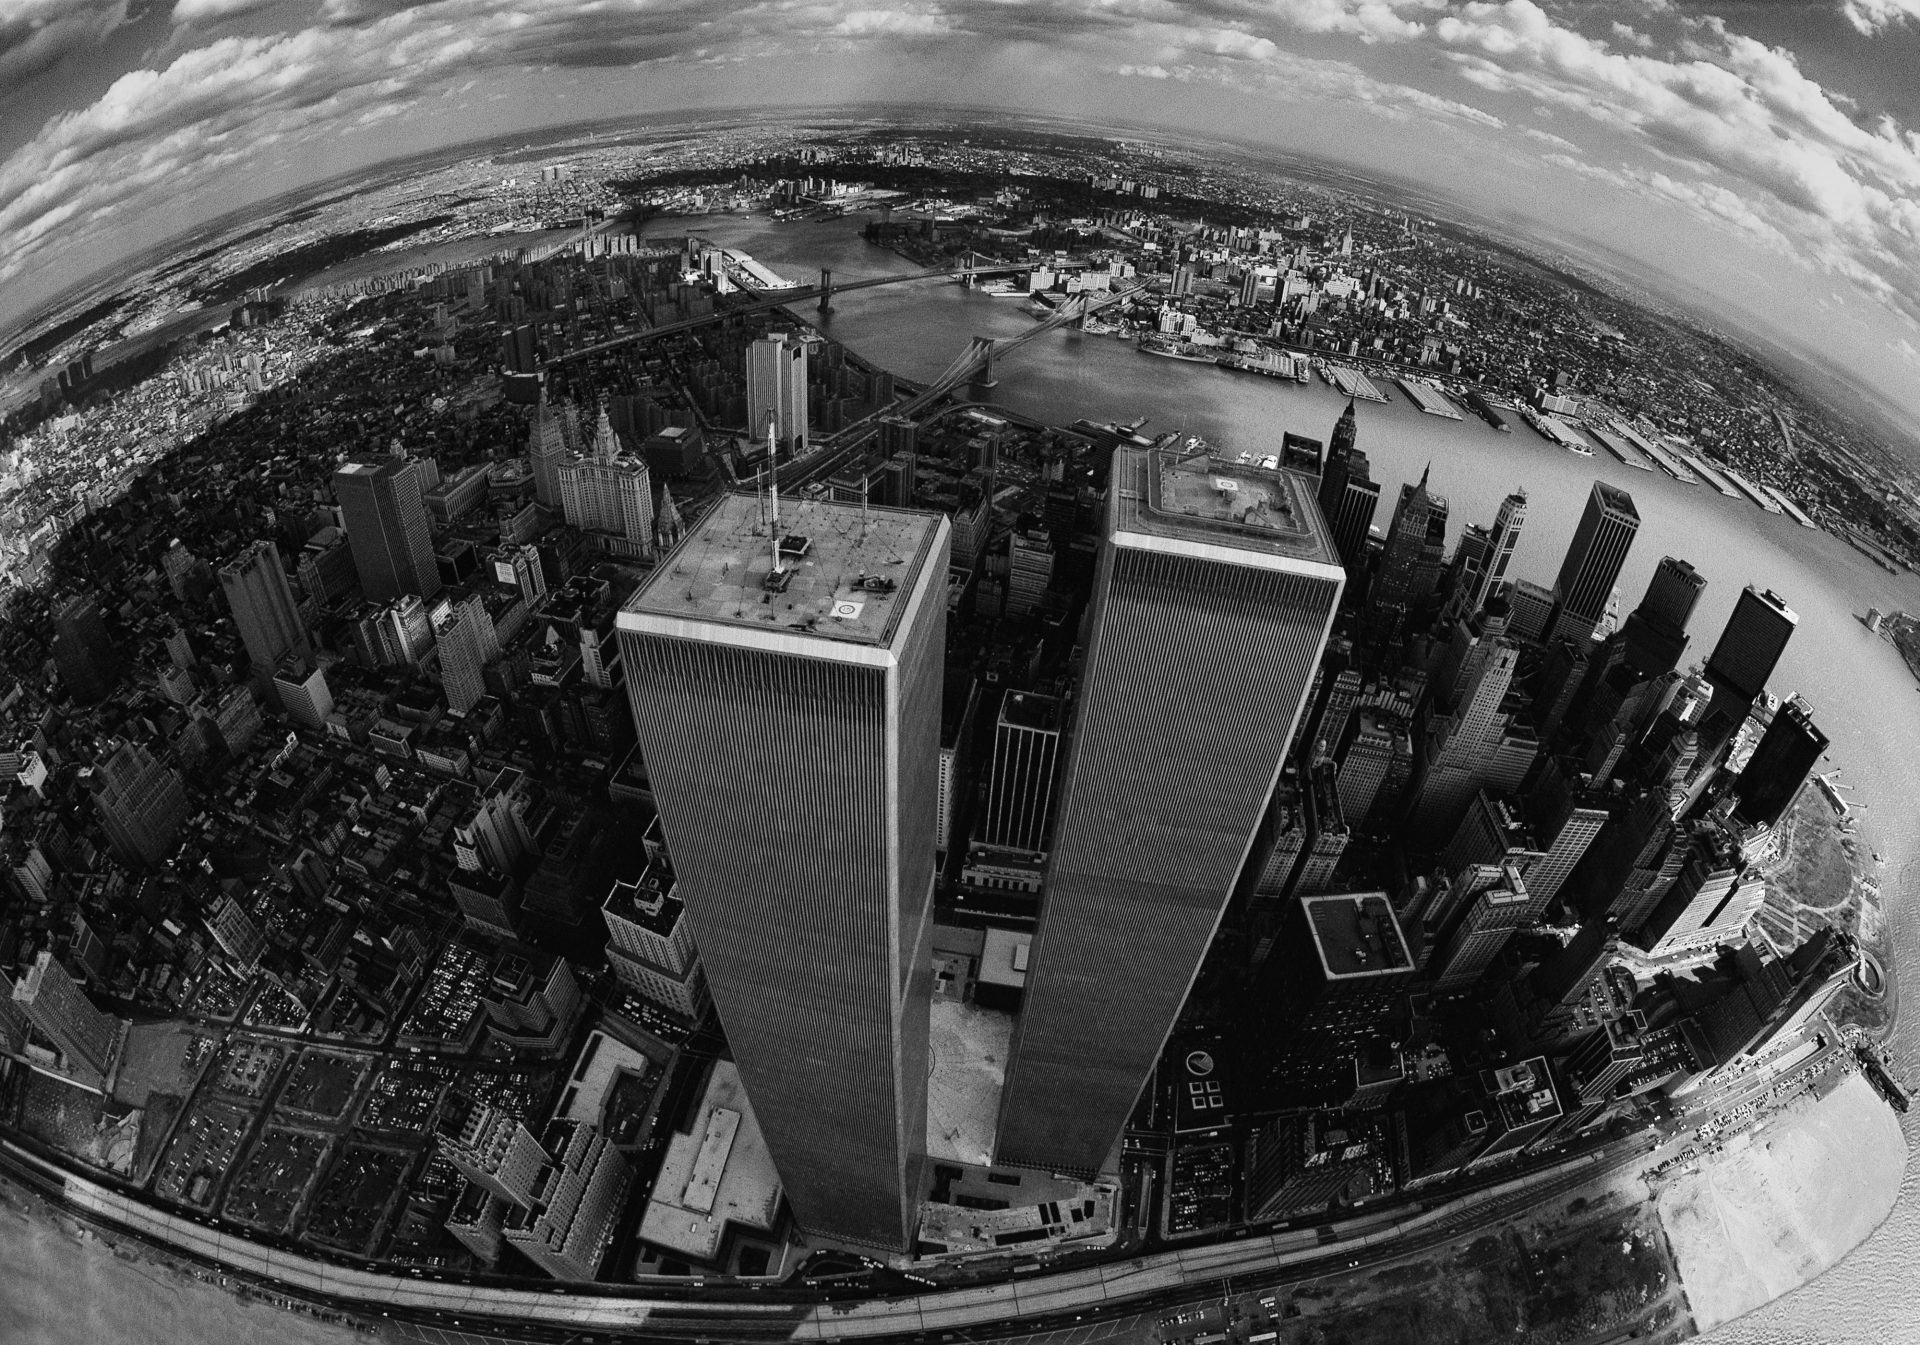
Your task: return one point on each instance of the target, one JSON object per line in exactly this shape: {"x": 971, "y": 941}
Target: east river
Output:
{"x": 1862, "y": 694}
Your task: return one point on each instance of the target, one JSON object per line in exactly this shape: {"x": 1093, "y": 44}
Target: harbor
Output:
{"x": 1617, "y": 444}
{"x": 1711, "y": 475}
{"x": 1350, "y": 382}
{"x": 1428, "y": 397}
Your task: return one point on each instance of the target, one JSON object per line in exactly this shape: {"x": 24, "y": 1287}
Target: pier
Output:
{"x": 1794, "y": 511}
{"x": 1428, "y": 398}
{"x": 1712, "y": 475}
{"x": 1621, "y": 447}
{"x": 1351, "y": 383}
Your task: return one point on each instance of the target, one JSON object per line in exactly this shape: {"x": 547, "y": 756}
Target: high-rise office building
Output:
{"x": 1482, "y": 558}
{"x": 261, "y": 600}
{"x": 141, "y": 803}
{"x": 1463, "y": 748}
{"x": 1026, "y": 756}
{"x": 567, "y": 1231}
{"x": 609, "y": 491}
{"x": 1345, "y": 431}
{"x": 1567, "y": 815}
{"x": 467, "y": 642}
{"x": 490, "y": 1147}
{"x": 1374, "y": 767}
{"x": 1348, "y": 497}
{"x": 1029, "y": 570}
{"x": 1415, "y": 550}
{"x": 387, "y": 528}
{"x": 1327, "y": 832}
{"x": 1481, "y": 931}
{"x": 303, "y": 693}
{"x": 650, "y": 941}
{"x": 1750, "y": 646}
{"x": 1218, "y": 578}
{"x": 1600, "y": 544}
{"x": 54, "y": 1003}
{"x": 546, "y": 450}
{"x": 1655, "y": 633}
{"x": 83, "y": 649}
{"x": 1779, "y": 766}
{"x": 812, "y": 906}
{"x": 777, "y": 387}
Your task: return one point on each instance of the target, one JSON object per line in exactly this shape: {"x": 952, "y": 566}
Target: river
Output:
{"x": 1862, "y": 694}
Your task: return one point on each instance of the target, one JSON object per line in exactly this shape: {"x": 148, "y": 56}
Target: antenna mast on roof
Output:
{"x": 773, "y": 491}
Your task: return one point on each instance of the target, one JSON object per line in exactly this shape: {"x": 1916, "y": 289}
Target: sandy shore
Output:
{"x": 55, "y": 1290}
{"x": 1783, "y": 1203}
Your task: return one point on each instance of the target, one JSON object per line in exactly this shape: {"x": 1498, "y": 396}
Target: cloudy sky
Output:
{"x": 1762, "y": 154}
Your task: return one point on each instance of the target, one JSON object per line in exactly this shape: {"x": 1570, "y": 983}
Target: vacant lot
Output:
{"x": 322, "y": 1083}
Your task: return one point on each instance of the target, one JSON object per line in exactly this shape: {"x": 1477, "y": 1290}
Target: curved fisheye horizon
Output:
{"x": 1764, "y": 157}
{"x": 1009, "y": 672}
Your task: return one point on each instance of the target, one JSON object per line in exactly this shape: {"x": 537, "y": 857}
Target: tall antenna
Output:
{"x": 863, "y": 508}
{"x": 773, "y": 489}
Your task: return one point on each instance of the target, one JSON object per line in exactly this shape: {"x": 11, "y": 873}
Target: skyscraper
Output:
{"x": 789, "y": 714}
{"x": 1750, "y": 646}
{"x": 1415, "y": 551}
{"x": 1655, "y": 633}
{"x": 546, "y": 450}
{"x": 61, "y": 1011}
{"x": 1217, "y": 579}
{"x": 261, "y": 600}
{"x": 1781, "y": 763}
{"x": 777, "y": 386}
{"x": 1481, "y": 932}
{"x": 467, "y": 642}
{"x": 1348, "y": 497}
{"x": 387, "y": 528}
{"x": 1026, "y": 755}
{"x": 1485, "y": 553}
{"x": 141, "y": 803}
{"x": 1593, "y": 562}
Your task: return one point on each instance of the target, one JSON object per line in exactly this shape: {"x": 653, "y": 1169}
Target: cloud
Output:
{"x": 37, "y": 35}
{"x": 1707, "y": 121}
{"x": 1875, "y": 16}
{"x": 187, "y": 12}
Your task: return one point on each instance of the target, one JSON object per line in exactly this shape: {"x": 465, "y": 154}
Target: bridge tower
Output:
{"x": 826, "y": 290}
{"x": 981, "y": 387}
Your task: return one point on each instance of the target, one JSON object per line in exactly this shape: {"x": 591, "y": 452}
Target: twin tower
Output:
{"x": 786, "y": 675}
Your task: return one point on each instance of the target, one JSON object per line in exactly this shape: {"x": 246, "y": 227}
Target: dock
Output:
{"x": 1563, "y": 434}
{"x": 1621, "y": 447}
{"x": 1667, "y": 463}
{"x": 1752, "y": 492}
{"x": 1794, "y": 511}
{"x": 1429, "y": 398}
{"x": 1351, "y": 383}
{"x": 1712, "y": 475}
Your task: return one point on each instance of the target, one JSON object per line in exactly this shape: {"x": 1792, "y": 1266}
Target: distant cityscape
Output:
{"x": 527, "y": 763}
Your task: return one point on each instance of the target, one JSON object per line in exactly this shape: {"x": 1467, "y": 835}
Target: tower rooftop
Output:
{"x": 843, "y": 578}
{"x": 1194, "y": 495}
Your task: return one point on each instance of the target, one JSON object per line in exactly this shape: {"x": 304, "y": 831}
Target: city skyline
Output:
{"x": 1004, "y": 832}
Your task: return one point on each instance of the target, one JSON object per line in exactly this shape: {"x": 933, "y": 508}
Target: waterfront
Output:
{"x": 918, "y": 328}
{"x": 1833, "y": 660}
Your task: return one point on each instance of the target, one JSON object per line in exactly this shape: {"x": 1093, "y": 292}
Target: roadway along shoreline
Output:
{"x": 989, "y": 1311}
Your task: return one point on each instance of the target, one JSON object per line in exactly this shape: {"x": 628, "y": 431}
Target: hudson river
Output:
{"x": 1862, "y": 694}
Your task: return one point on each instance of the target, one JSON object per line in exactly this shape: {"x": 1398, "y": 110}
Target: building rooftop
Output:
{"x": 1195, "y": 495}
{"x": 1030, "y": 710}
{"x": 650, "y": 901}
{"x": 1356, "y": 935}
{"x": 701, "y": 1189}
{"x": 845, "y": 570}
